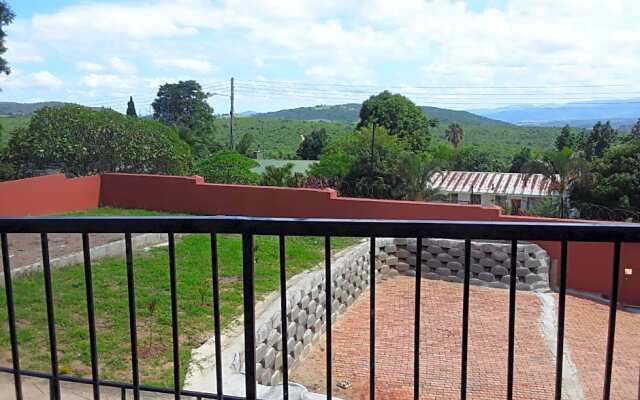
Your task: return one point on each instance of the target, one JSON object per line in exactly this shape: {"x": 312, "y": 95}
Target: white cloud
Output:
{"x": 89, "y": 66}
{"x": 47, "y": 79}
{"x": 187, "y": 64}
{"x": 109, "y": 81}
{"x": 119, "y": 65}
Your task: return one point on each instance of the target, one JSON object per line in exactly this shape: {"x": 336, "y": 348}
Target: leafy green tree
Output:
{"x": 399, "y": 116}
{"x": 229, "y": 167}
{"x": 601, "y": 137}
{"x": 183, "y": 105}
{"x": 246, "y": 143}
{"x": 635, "y": 130}
{"x": 131, "y": 108}
{"x": 454, "y": 134}
{"x": 565, "y": 139}
{"x": 312, "y": 145}
{"x": 333, "y": 165}
{"x": 520, "y": 159}
{"x": 564, "y": 169}
{"x": 614, "y": 184}
{"x": 6, "y": 18}
{"x": 282, "y": 176}
{"x": 474, "y": 158}
{"x": 83, "y": 141}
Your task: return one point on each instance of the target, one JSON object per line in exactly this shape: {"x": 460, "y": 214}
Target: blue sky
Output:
{"x": 286, "y": 53}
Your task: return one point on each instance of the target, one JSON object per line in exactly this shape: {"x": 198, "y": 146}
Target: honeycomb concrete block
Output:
{"x": 432, "y": 276}
{"x": 402, "y": 267}
{"x": 454, "y": 265}
{"x": 477, "y": 282}
{"x": 499, "y": 255}
{"x": 402, "y": 253}
{"x": 488, "y": 262}
{"x": 476, "y": 268}
{"x": 442, "y": 271}
{"x": 486, "y": 276}
{"x": 499, "y": 270}
{"x": 433, "y": 249}
{"x": 456, "y": 252}
{"x": 270, "y": 358}
{"x": 392, "y": 261}
{"x": 532, "y": 278}
{"x": 444, "y": 257}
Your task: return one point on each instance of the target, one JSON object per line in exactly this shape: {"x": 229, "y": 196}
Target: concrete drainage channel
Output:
{"x": 442, "y": 259}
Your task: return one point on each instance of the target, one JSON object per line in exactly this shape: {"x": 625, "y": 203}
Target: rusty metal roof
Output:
{"x": 500, "y": 183}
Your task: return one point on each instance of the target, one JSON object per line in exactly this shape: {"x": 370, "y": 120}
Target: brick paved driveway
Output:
{"x": 441, "y": 342}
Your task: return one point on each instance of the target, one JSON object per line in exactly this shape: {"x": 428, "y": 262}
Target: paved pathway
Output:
{"x": 441, "y": 342}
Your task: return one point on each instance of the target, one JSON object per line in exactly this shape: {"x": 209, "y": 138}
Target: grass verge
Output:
{"x": 152, "y": 301}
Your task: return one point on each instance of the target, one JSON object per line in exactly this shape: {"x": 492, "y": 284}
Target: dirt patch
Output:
{"x": 25, "y": 248}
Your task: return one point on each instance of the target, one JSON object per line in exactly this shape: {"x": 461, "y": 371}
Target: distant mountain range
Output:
{"x": 621, "y": 113}
{"x": 350, "y": 113}
{"x": 25, "y": 109}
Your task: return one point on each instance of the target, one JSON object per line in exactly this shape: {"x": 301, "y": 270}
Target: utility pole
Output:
{"x": 231, "y": 118}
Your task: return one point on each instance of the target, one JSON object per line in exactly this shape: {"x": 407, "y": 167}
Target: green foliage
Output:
{"x": 601, "y": 137}
{"x": 333, "y": 165}
{"x": 547, "y": 207}
{"x": 131, "y": 108}
{"x": 246, "y": 143}
{"x": 312, "y": 145}
{"x": 6, "y": 17}
{"x": 564, "y": 168}
{"x": 184, "y": 106}
{"x": 522, "y": 158}
{"x": 615, "y": 180}
{"x": 475, "y": 158}
{"x": 454, "y": 134}
{"x": 565, "y": 139}
{"x": 82, "y": 141}
{"x": 277, "y": 138}
{"x": 282, "y": 176}
{"x": 227, "y": 166}
{"x": 635, "y": 130}
{"x": 399, "y": 116}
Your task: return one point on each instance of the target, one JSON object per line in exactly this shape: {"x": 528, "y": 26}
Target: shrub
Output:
{"x": 227, "y": 166}
{"x": 83, "y": 141}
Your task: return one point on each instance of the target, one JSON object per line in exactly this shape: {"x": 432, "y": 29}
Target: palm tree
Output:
{"x": 418, "y": 172}
{"x": 454, "y": 134}
{"x": 564, "y": 169}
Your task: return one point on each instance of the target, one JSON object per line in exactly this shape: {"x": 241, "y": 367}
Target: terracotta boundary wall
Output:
{"x": 589, "y": 267}
{"x": 51, "y": 194}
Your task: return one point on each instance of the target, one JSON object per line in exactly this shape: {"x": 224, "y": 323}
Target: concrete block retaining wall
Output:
{"x": 441, "y": 259}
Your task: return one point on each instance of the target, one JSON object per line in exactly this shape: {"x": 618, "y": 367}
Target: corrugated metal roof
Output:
{"x": 500, "y": 183}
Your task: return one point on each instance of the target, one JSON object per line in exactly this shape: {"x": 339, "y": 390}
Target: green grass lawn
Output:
{"x": 116, "y": 212}
{"x": 152, "y": 301}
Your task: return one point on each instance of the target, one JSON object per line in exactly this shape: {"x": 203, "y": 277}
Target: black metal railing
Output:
{"x": 282, "y": 227}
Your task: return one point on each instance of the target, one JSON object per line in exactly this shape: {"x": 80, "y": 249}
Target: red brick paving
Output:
{"x": 441, "y": 342}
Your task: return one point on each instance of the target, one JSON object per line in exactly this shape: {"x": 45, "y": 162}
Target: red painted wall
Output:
{"x": 589, "y": 263}
{"x": 589, "y": 267}
{"x": 49, "y": 194}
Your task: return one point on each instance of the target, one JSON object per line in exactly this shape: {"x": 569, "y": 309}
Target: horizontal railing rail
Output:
{"x": 282, "y": 227}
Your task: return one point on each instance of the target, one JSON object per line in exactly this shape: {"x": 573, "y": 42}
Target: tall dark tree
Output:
{"x": 6, "y": 17}
{"x": 635, "y": 131}
{"x": 312, "y": 145}
{"x": 183, "y": 105}
{"x": 565, "y": 139}
{"x": 399, "y": 116}
{"x": 131, "y": 108}
{"x": 454, "y": 134}
{"x": 601, "y": 137}
{"x": 245, "y": 145}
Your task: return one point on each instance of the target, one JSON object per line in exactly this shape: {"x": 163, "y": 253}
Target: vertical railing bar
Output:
{"x": 133, "y": 326}
{"x": 88, "y": 279}
{"x": 123, "y": 394}
{"x": 215, "y": 278}
{"x": 284, "y": 323}
{"x": 11, "y": 316}
{"x": 561, "y": 318}
{"x": 372, "y": 318}
{"x": 512, "y": 317}
{"x": 51, "y": 319}
{"x": 613, "y": 309}
{"x": 174, "y": 315}
{"x": 465, "y": 319}
{"x": 327, "y": 279}
{"x": 416, "y": 335}
{"x": 249, "y": 316}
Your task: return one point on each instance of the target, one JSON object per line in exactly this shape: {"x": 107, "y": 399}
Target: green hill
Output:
{"x": 25, "y": 109}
